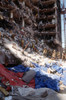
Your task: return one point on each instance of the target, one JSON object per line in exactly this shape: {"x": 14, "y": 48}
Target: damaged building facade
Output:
{"x": 48, "y": 20}
{"x": 33, "y": 25}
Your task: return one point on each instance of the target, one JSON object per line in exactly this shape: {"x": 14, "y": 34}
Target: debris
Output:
{"x": 54, "y": 54}
{"x": 63, "y": 55}
{"x": 30, "y": 32}
{"x": 31, "y": 74}
{"x": 15, "y": 79}
{"x": 0, "y": 35}
{"x": 8, "y": 98}
{"x": 42, "y": 93}
{"x": 6, "y": 93}
{"x": 45, "y": 94}
{"x": 41, "y": 79}
{"x": 22, "y": 42}
{"x": 2, "y": 57}
{"x": 26, "y": 46}
{"x": 26, "y": 91}
{"x": 63, "y": 79}
{"x": 45, "y": 51}
{"x": 51, "y": 81}
{"x": 24, "y": 22}
{"x": 58, "y": 55}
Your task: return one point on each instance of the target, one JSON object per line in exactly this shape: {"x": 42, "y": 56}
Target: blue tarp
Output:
{"x": 43, "y": 71}
{"x": 42, "y": 78}
{"x": 45, "y": 81}
{"x": 19, "y": 68}
{"x": 55, "y": 67}
{"x": 63, "y": 78}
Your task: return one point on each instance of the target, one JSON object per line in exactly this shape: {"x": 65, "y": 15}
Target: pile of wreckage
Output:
{"x": 29, "y": 83}
{"x": 27, "y": 37}
{"x": 20, "y": 25}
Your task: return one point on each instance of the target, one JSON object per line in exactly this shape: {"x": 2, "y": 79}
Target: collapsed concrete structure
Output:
{"x": 33, "y": 24}
{"x": 48, "y": 19}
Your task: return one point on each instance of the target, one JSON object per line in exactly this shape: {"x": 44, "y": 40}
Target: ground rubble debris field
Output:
{"x": 39, "y": 82}
{"x": 30, "y": 51}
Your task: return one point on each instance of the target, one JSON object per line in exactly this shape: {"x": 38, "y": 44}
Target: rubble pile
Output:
{"x": 20, "y": 22}
{"x": 39, "y": 82}
{"x": 16, "y": 24}
{"x": 29, "y": 37}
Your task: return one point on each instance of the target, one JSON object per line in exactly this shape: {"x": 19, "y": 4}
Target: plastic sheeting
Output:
{"x": 19, "y": 68}
{"x": 54, "y": 67}
{"x": 45, "y": 81}
{"x": 63, "y": 78}
{"x": 13, "y": 78}
{"x": 57, "y": 68}
{"x": 42, "y": 79}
